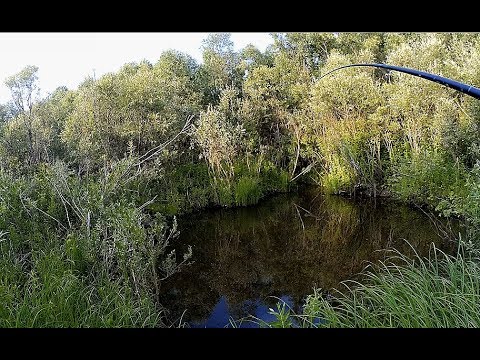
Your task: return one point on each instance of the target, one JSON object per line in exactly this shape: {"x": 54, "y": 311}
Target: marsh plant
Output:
{"x": 438, "y": 291}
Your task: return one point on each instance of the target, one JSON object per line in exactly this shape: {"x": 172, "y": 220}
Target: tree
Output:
{"x": 251, "y": 57}
{"x": 24, "y": 87}
{"x": 220, "y": 66}
{"x": 133, "y": 111}
{"x": 49, "y": 121}
{"x": 308, "y": 49}
{"x": 7, "y": 112}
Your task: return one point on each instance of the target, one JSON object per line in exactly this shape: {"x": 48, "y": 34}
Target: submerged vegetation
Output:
{"x": 91, "y": 179}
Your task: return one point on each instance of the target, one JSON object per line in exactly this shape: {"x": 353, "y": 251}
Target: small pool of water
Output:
{"x": 246, "y": 259}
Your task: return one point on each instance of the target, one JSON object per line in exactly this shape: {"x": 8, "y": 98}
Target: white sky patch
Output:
{"x": 68, "y": 58}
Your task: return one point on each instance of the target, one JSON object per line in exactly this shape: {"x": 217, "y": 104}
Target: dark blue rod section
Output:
{"x": 467, "y": 89}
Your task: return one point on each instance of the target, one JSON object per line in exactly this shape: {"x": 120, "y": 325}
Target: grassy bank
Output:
{"x": 80, "y": 253}
{"x": 438, "y": 291}
{"x": 192, "y": 187}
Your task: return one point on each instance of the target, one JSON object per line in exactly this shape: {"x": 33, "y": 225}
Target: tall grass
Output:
{"x": 50, "y": 291}
{"x": 438, "y": 291}
{"x": 68, "y": 301}
{"x": 247, "y": 191}
{"x": 61, "y": 270}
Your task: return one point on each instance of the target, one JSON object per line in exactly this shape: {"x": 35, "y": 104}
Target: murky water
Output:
{"x": 245, "y": 259}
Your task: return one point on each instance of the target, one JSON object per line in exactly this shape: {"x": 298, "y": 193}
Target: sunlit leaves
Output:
{"x": 142, "y": 105}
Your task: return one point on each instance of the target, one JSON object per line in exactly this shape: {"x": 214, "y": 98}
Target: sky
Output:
{"x": 68, "y": 58}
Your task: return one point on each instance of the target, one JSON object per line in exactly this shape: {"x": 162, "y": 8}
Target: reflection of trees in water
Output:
{"x": 287, "y": 245}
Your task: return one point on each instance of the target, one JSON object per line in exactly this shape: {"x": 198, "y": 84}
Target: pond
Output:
{"x": 245, "y": 259}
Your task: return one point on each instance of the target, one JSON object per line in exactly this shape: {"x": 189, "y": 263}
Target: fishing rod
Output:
{"x": 464, "y": 88}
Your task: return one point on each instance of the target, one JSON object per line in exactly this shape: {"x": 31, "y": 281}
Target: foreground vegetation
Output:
{"x": 439, "y": 291}
{"x": 91, "y": 179}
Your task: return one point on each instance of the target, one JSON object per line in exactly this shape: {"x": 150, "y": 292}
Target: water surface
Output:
{"x": 245, "y": 259}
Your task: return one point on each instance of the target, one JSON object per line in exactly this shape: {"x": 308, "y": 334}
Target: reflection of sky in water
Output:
{"x": 221, "y": 314}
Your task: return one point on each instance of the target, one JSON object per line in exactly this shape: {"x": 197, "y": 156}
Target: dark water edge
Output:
{"x": 246, "y": 259}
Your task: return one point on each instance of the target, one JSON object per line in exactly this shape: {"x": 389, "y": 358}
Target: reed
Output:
{"x": 440, "y": 291}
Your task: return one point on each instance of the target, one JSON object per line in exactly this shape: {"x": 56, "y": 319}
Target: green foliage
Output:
{"x": 429, "y": 179}
{"x": 251, "y": 57}
{"x": 217, "y": 139}
{"x": 7, "y": 112}
{"x": 469, "y": 204}
{"x": 186, "y": 188}
{"x": 282, "y": 315}
{"x": 52, "y": 295}
{"x": 338, "y": 177}
{"x": 78, "y": 254}
{"x": 23, "y": 86}
{"x": 132, "y": 111}
{"x": 220, "y": 66}
{"x": 247, "y": 191}
{"x": 441, "y": 291}
{"x": 79, "y": 169}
